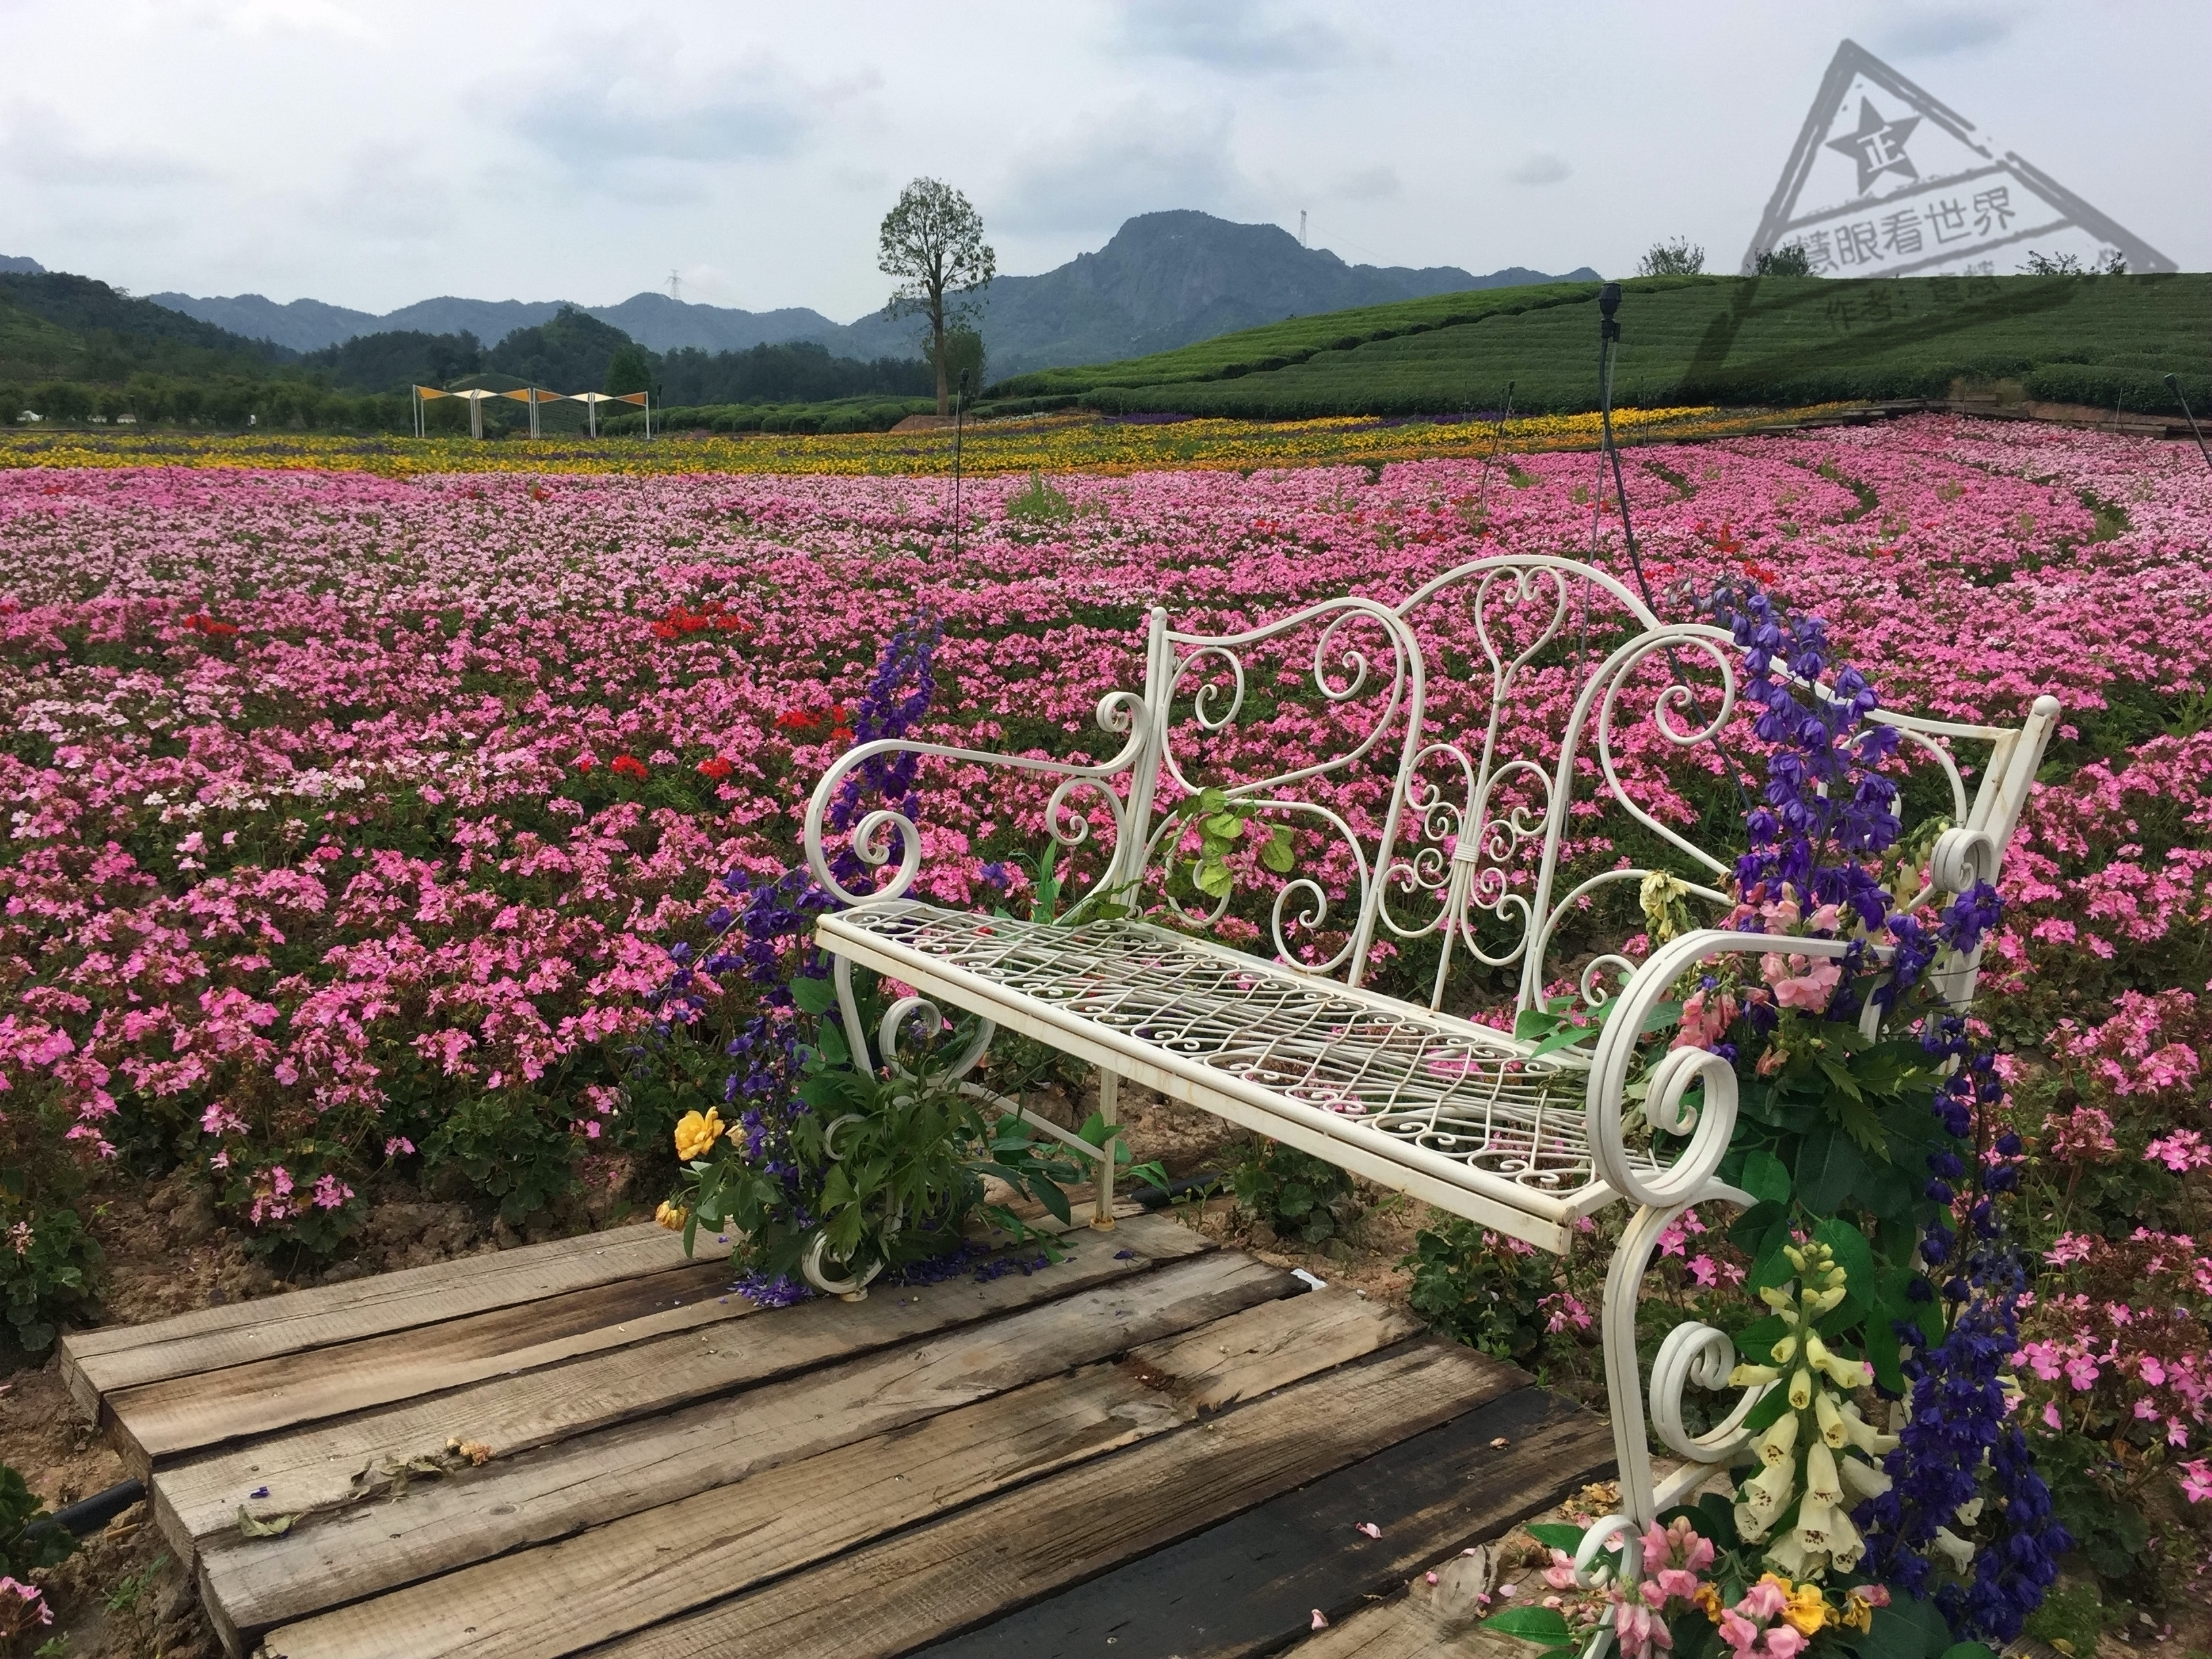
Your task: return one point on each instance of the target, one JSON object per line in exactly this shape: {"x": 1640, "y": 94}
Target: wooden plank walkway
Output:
{"x": 1154, "y": 1446}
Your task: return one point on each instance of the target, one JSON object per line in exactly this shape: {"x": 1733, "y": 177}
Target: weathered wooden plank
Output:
{"x": 1250, "y": 1584}
{"x": 98, "y": 1363}
{"x": 920, "y": 1586}
{"x": 1238, "y": 1358}
{"x": 614, "y": 1579}
{"x": 311, "y": 1468}
{"x": 161, "y": 1421}
{"x": 253, "y": 1584}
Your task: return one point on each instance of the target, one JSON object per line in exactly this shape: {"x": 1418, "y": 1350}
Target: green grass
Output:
{"x": 2102, "y": 341}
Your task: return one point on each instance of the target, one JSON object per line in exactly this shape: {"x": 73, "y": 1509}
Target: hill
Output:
{"x": 55, "y": 324}
{"x": 1164, "y": 280}
{"x": 2097, "y": 340}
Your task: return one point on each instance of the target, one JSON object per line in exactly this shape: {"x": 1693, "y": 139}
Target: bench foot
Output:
{"x": 1109, "y": 1109}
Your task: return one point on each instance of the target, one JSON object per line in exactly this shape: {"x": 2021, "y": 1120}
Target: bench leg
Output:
{"x": 1109, "y": 1108}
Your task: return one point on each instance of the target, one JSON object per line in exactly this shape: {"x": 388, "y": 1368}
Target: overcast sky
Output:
{"x": 375, "y": 154}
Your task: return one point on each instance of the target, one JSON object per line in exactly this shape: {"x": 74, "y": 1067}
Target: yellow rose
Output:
{"x": 1807, "y": 1610}
{"x": 1708, "y": 1602}
{"x": 671, "y": 1216}
{"x": 1858, "y": 1612}
{"x": 696, "y": 1135}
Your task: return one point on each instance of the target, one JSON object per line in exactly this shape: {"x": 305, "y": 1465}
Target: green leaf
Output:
{"x": 1277, "y": 853}
{"x": 1862, "y": 1123}
{"x": 1764, "y": 1178}
{"x": 1909, "y": 1628}
{"x": 1211, "y": 800}
{"x": 274, "y": 1526}
{"x": 1852, "y": 1253}
{"x": 1749, "y": 1230}
{"x": 1530, "y": 1623}
{"x": 829, "y": 1043}
{"x": 1840, "y": 1075}
{"x": 1553, "y": 1535}
{"x": 1969, "y": 1650}
{"x": 1226, "y": 825}
{"x": 814, "y": 996}
{"x": 1097, "y": 1130}
{"x": 1212, "y": 878}
{"x": 1829, "y": 1164}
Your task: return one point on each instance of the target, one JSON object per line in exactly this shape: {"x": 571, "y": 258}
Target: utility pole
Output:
{"x": 1302, "y": 226}
{"x": 676, "y": 286}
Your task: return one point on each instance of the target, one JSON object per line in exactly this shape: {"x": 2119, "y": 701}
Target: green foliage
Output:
{"x": 1040, "y": 503}
{"x": 963, "y": 353}
{"x": 2073, "y": 1614}
{"x": 1301, "y": 1197}
{"x": 889, "y": 1169}
{"x": 46, "y": 1266}
{"x": 2088, "y": 1492}
{"x": 571, "y": 351}
{"x": 395, "y": 359}
{"x": 1470, "y": 1285}
{"x": 1679, "y": 257}
{"x": 1790, "y": 259}
{"x": 629, "y": 369}
{"x": 509, "y": 1147}
{"x": 1688, "y": 339}
{"x": 932, "y": 242}
{"x": 1224, "y": 824}
{"x": 22, "y": 1550}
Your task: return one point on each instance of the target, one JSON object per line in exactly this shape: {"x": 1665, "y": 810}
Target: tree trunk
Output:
{"x": 937, "y": 351}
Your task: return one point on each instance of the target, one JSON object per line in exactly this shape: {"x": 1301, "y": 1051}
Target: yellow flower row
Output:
{"x": 1053, "y": 444}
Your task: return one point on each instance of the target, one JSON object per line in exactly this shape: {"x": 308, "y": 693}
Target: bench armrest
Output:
{"x": 1710, "y": 1126}
{"x": 879, "y": 835}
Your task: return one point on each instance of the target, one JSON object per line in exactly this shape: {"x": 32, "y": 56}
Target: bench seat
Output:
{"x": 1448, "y": 1111}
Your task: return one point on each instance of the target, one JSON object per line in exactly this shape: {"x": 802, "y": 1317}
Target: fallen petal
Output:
{"x": 1369, "y": 1528}
{"x": 1320, "y": 1619}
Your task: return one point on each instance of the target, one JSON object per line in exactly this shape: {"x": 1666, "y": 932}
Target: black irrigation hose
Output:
{"x": 88, "y": 1515}
{"x": 1158, "y": 1198}
{"x": 1608, "y": 334}
{"x": 2173, "y": 384}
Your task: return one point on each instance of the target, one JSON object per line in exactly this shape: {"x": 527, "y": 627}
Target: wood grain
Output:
{"x": 98, "y": 1363}
{"x": 615, "y": 1578}
{"x": 254, "y": 1584}
{"x": 312, "y": 1468}
{"x": 1250, "y": 1584}
{"x": 905, "y": 1591}
{"x": 159, "y": 1422}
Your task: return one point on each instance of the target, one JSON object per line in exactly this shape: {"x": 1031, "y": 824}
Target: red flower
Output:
{"x": 628, "y": 766}
{"x": 717, "y": 767}
{"x": 584, "y": 762}
{"x": 798, "y": 719}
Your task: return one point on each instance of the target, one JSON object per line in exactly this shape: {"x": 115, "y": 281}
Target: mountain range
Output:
{"x": 1162, "y": 281}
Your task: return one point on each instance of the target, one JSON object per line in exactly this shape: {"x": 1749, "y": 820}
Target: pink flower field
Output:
{"x": 351, "y": 820}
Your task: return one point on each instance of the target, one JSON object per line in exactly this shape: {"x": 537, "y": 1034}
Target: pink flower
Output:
{"x": 1800, "y": 982}
{"x": 1706, "y": 1019}
{"x": 2183, "y": 1150}
{"x": 2196, "y": 1480}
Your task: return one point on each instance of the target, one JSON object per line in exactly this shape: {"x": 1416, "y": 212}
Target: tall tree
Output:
{"x": 932, "y": 242}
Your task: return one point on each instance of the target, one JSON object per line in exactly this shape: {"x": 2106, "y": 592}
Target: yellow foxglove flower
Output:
{"x": 1863, "y": 1434}
{"x": 1961, "y": 1554}
{"x": 1750, "y": 1376}
{"x": 1822, "y": 1485}
{"x": 1830, "y": 1420}
{"x": 1864, "y": 1479}
{"x": 1775, "y": 1443}
{"x": 1801, "y": 1390}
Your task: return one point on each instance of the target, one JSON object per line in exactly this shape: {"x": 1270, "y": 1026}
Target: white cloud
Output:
{"x": 1926, "y": 31}
{"x": 1240, "y": 37}
{"x": 1376, "y": 184}
{"x": 1138, "y": 159}
{"x": 1540, "y": 167}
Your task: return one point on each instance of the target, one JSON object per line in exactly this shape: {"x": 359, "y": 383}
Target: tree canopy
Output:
{"x": 932, "y": 242}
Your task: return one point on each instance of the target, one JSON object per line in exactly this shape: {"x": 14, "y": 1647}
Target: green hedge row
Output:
{"x": 2103, "y": 342}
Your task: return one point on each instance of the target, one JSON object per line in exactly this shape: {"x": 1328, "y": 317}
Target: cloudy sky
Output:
{"x": 374, "y": 153}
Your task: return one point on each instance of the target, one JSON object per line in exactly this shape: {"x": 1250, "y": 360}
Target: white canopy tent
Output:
{"x": 534, "y": 396}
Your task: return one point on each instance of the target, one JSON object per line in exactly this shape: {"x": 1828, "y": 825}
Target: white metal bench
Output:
{"x": 1441, "y": 821}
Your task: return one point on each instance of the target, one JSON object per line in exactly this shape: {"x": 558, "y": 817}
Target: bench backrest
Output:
{"x": 1461, "y": 752}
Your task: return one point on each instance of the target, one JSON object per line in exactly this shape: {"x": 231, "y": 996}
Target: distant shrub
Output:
{"x": 1790, "y": 259}
{"x": 1040, "y": 503}
{"x": 46, "y": 1264}
{"x": 1680, "y": 258}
